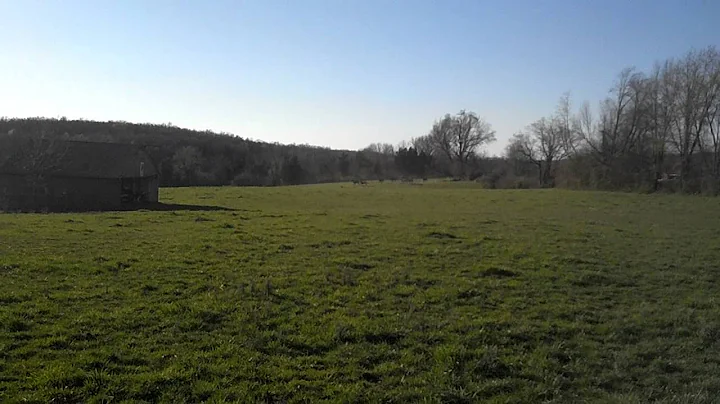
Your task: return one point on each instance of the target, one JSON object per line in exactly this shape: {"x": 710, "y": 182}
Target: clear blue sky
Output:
{"x": 339, "y": 73}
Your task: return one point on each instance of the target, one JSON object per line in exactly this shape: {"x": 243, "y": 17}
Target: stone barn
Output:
{"x": 43, "y": 175}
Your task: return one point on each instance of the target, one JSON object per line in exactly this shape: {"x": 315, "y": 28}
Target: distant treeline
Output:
{"x": 190, "y": 157}
{"x": 186, "y": 157}
{"x": 657, "y": 130}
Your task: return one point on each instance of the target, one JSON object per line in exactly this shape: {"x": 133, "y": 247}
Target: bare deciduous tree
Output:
{"x": 523, "y": 148}
{"x": 547, "y": 141}
{"x": 710, "y": 142}
{"x": 586, "y": 130}
{"x": 424, "y": 144}
{"x": 459, "y": 136}
{"x": 381, "y": 148}
{"x": 387, "y": 149}
{"x": 693, "y": 89}
{"x": 543, "y": 145}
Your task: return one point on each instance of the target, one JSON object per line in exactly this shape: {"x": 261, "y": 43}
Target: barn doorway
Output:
{"x": 131, "y": 190}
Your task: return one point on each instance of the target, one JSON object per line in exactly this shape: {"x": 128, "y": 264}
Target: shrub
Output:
{"x": 507, "y": 181}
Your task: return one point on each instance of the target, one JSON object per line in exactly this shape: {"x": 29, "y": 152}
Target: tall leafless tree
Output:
{"x": 547, "y": 141}
{"x": 543, "y": 144}
{"x": 693, "y": 90}
{"x": 424, "y": 144}
{"x": 710, "y": 142}
{"x": 460, "y": 136}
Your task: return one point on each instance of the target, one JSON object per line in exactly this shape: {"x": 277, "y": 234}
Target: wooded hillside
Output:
{"x": 189, "y": 157}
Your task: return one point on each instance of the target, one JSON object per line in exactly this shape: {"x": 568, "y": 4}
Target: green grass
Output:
{"x": 388, "y": 292}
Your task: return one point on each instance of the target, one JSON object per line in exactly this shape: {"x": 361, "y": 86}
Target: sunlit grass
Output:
{"x": 441, "y": 292}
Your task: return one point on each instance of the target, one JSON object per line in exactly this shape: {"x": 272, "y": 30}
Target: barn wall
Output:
{"x": 87, "y": 194}
{"x": 58, "y": 194}
{"x": 151, "y": 185}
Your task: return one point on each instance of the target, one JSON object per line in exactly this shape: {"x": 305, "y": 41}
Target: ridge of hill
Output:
{"x": 192, "y": 157}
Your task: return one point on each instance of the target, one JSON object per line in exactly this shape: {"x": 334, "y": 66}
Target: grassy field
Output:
{"x": 441, "y": 292}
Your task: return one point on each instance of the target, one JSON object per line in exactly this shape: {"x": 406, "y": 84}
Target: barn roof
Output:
{"x": 75, "y": 159}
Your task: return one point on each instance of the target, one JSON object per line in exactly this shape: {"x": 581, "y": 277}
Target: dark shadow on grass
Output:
{"x": 153, "y": 206}
{"x": 442, "y": 235}
{"x": 166, "y": 207}
{"x": 498, "y": 273}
